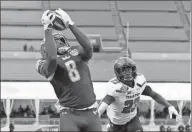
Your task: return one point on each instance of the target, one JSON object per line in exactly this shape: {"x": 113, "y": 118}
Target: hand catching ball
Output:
{"x": 58, "y": 23}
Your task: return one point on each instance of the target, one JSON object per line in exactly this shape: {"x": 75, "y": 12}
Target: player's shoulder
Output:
{"x": 115, "y": 84}
{"x": 140, "y": 79}
{"x": 114, "y": 80}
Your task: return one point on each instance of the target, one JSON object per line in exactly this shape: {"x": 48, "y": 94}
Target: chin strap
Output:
{"x": 129, "y": 83}
{"x": 129, "y": 80}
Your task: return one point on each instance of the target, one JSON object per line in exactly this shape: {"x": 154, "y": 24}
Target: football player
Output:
{"x": 123, "y": 96}
{"x": 67, "y": 70}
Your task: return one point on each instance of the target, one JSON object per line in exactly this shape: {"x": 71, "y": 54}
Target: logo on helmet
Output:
{"x": 61, "y": 42}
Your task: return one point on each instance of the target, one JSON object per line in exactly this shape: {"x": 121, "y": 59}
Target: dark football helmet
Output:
{"x": 61, "y": 43}
{"x": 125, "y": 69}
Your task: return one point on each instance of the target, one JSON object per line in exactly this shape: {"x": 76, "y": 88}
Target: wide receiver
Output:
{"x": 66, "y": 68}
{"x": 123, "y": 96}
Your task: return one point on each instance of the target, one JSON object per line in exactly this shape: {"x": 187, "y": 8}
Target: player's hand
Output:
{"x": 172, "y": 111}
{"x": 47, "y": 19}
{"x": 58, "y": 106}
{"x": 67, "y": 20}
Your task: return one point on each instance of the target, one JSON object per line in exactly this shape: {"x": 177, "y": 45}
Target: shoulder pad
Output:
{"x": 115, "y": 84}
{"x": 140, "y": 76}
{"x": 140, "y": 79}
{"x": 114, "y": 81}
{"x": 113, "y": 88}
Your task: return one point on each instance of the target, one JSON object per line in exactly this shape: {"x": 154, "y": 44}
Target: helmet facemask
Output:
{"x": 61, "y": 43}
{"x": 126, "y": 73}
{"x": 125, "y": 70}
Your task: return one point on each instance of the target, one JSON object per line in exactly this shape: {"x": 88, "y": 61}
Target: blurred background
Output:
{"x": 156, "y": 34}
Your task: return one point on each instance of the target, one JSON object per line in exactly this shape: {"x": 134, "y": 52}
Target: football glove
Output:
{"x": 67, "y": 20}
{"x": 47, "y": 19}
{"x": 172, "y": 111}
{"x": 58, "y": 106}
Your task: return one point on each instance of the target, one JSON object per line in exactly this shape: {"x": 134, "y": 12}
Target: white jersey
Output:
{"x": 124, "y": 108}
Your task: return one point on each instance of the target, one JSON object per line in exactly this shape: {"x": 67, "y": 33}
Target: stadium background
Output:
{"x": 158, "y": 36}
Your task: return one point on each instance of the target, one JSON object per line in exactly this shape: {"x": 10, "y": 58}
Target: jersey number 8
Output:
{"x": 73, "y": 73}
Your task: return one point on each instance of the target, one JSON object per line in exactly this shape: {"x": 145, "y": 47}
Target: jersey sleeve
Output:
{"x": 41, "y": 69}
{"x": 141, "y": 82}
{"x": 108, "y": 99}
{"x": 85, "y": 57}
{"x": 111, "y": 89}
{"x": 145, "y": 88}
{"x": 111, "y": 92}
{"x": 147, "y": 91}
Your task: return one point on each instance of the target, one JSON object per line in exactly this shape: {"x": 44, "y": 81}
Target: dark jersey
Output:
{"x": 72, "y": 80}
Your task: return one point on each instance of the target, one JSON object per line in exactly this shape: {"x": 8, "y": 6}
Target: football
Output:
{"x": 58, "y": 24}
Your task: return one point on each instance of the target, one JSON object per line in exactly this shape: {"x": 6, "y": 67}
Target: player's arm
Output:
{"x": 48, "y": 66}
{"x": 107, "y": 100}
{"x": 87, "y": 48}
{"x": 159, "y": 99}
{"x": 147, "y": 90}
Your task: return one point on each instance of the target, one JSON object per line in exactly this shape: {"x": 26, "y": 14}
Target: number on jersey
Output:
{"x": 129, "y": 105}
{"x": 72, "y": 71}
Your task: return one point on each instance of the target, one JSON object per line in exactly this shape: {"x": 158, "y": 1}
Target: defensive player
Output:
{"x": 66, "y": 68}
{"x": 123, "y": 96}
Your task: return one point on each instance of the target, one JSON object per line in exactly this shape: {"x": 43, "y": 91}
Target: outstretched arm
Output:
{"x": 159, "y": 99}
{"x": 87, "y": 49}
{"x": 47, "y": 67}
{"x": 108, "y": 99}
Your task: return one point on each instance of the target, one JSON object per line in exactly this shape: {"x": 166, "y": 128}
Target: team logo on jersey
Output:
{"x": 74, "y": 52}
